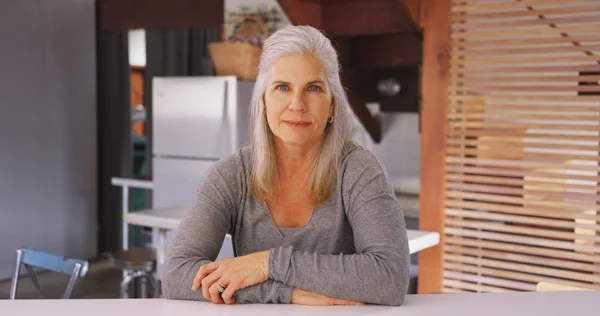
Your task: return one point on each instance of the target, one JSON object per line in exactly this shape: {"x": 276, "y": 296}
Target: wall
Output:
{"x": 137, "y": 47}
{"x": 47, "y": 128}
{"x": 400, "y": 148}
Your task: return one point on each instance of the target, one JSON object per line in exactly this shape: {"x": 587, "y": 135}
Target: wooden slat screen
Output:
{"x": 523, "y": 145}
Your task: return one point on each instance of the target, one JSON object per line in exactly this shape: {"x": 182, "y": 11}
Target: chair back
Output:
{"x": 31, "y": 259}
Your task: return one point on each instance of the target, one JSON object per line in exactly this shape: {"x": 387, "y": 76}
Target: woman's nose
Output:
{"x": 297, "y": 103}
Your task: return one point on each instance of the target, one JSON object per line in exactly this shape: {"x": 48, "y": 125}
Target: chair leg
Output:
{"x": 72, "y": 281}
{"x": 153, "y": 283}
{"x": 14, "y": 285}
{"x": 34, "y": 280}
{"x": 143, "y": 287}
{"x": 125, "y": 285}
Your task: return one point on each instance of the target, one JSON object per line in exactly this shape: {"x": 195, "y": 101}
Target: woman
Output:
{"x": 313, "y": 218}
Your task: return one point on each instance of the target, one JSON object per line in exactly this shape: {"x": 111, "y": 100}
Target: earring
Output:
{"x": 330, "y": 120}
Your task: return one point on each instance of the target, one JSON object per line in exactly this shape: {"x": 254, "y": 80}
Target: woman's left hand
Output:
{"x": 234, "y": 273}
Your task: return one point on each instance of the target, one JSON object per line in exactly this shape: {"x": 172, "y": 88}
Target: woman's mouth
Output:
{"x": 297, "y": 123}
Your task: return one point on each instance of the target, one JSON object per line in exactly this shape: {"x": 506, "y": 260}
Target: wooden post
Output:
{"x": 434, "y": 112}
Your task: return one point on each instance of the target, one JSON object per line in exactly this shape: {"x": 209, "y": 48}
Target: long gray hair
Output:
{"x": 293, "y": 40}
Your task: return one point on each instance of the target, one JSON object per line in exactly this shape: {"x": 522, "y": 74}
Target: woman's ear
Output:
{"x": 331, "y": 107}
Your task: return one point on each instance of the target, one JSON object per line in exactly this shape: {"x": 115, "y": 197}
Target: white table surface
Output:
{"x": 169, "y": 219}
{"x": 499, "y": 304}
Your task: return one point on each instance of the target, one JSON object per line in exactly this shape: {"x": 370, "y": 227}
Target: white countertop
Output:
{"x": 406, "y": 185}
{"x": 162, "y": 218}
{"x": 500, "y": 304}
{"x": 419, "y": 240}
{"x": 169, "y": 219}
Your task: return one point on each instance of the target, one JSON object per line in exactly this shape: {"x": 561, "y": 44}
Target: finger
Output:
{"x": 215, "y": 296}
{"x": 202, "y": 273}
{"x": 338, "y": 301}
{"x": 227, "y": 296}
{"x": 208, "y": 281}
{"x": 350, "y": 303}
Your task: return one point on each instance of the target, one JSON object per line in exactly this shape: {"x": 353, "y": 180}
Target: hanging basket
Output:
{"x": 235, "y": 59}
{"x": 240, "y": 54}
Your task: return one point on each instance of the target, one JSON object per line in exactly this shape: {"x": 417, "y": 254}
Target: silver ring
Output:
{"x": 220, "y": 287}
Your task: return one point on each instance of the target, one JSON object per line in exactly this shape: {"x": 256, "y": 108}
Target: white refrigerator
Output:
{"x": 196, "y": 122}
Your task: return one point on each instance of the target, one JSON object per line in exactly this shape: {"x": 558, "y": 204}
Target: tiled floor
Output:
{"x": 102, "y": 281}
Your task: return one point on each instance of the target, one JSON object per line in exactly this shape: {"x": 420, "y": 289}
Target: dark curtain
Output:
{"x": 175, "y": 52}
{"x": 115, "y": 156}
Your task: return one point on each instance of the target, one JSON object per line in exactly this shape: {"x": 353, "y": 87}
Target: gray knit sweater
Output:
{"x": 354, "y": 246}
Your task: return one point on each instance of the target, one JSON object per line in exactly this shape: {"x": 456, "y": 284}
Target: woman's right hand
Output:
{"x": 303, "y": 297}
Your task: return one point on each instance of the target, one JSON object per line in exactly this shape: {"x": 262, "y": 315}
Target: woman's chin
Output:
{"x": 297, "y": 141}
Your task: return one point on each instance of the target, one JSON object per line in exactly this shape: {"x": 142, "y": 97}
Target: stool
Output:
{"x": 138, "y": 264}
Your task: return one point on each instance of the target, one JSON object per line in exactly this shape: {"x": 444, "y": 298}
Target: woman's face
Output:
{"x": 298, "y": 102}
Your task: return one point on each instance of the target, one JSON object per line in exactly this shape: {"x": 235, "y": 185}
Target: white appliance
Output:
{"x": 196, "y": 122}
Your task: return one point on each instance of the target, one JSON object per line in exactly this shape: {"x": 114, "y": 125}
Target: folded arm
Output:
{"x": 378, "y": 271}
{"x": 198, "y": 241}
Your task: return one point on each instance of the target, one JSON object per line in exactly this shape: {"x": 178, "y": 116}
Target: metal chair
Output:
{"x": 34, "y": 258}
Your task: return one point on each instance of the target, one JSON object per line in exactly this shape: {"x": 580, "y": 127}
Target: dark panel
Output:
{"x": 343, "y": 45}
{"x": 303, "y": 13}
{"x": 389, "y": 50}
{"x": 365, "y": 17}
{"x": 324, "y": 1}
{"x": 407, "y": 100}
{"x": 147, "y": 14}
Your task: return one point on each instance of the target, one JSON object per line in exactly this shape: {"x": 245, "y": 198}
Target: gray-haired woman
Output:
{"x": 313, "y": 217}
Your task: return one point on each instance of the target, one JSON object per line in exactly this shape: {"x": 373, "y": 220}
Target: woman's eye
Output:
{"x": 314, "y": 88}
{"x": 282, "y": 87}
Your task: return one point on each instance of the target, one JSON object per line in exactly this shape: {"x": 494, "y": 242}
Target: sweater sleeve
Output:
{"x": 200, "y": 236}
{"x": 378, "y": 272}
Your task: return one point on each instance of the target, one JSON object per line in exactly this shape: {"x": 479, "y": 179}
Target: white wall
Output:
{"x": 400, "y": 148}
{"x": 137, "y": 47}
{"x": 47, "y": 128}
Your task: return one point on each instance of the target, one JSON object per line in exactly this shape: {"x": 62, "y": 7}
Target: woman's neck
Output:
{"x": 295, "y": 162}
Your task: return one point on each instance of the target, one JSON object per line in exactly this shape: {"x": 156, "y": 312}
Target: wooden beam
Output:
{"x": 434, "y": 112}
{"x": 389, "y": 50}
{"x": 321, "y": 1}
{"x": 303, "y": 13}
{"x": 413, "y": 9}
{"x": 364, "y": 17}
{"x": 121, "y": 15}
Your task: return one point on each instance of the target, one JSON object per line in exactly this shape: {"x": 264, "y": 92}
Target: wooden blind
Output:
{"x": 523, "y": 145}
